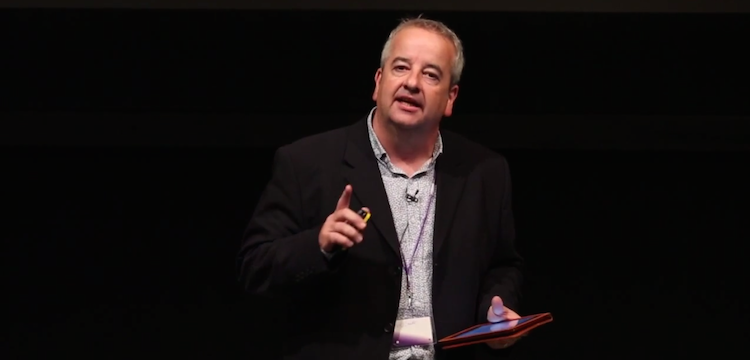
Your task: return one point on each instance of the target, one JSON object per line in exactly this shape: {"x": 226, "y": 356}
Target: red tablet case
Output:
{"x": 522, "y": 329}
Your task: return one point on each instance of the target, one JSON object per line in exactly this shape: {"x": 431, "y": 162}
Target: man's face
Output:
{"x": 412, "y": 89}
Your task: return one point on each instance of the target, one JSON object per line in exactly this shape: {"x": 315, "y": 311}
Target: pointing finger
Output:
{"x": 345, "y": 198}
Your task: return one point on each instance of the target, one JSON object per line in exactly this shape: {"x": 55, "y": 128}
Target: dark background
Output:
{"x": 136, "y": 143}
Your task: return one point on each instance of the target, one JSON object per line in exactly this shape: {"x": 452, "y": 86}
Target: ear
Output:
{"x": 452, "y": 95}
{"x": 378, "y": 74}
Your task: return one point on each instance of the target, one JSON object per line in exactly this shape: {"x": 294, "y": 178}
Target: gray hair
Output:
{"x": 457, "y": 65}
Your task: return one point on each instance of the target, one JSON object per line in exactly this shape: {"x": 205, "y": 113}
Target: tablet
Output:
{"x": 492, "y": 331}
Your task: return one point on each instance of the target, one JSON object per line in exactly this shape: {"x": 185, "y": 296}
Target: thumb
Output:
{"x": 497, "y": 306}
{"x": 345, "y": 198}
{"x": 496, "y": 312}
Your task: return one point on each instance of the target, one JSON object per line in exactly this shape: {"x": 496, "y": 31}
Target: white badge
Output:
{"x": 414, "y": 331}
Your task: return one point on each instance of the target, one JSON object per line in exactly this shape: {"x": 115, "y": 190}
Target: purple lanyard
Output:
{"x": 408, "y": 266}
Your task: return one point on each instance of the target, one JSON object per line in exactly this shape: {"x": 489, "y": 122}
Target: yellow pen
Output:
{"x": 364, "y": 214}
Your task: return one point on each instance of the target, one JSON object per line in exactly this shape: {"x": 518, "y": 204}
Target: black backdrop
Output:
{"x": 135, "y": 144}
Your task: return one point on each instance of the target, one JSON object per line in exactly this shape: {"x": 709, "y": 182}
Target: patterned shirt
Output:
{"x": 410, "y": 199}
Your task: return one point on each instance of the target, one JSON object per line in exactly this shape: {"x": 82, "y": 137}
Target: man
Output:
{"x": 438, "y": 252}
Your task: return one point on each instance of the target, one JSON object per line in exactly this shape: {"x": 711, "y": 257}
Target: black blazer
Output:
{"x": 346, "y": 308}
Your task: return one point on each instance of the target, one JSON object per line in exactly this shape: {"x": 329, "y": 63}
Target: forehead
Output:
{"x": 420, "y": 45}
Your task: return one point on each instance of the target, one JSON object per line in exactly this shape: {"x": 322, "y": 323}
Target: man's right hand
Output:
{"x": 343, "y": 228}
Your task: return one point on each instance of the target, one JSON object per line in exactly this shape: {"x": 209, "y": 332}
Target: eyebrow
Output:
{"x": 429, "y": 65}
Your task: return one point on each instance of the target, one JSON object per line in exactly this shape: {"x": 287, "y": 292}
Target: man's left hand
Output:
{"x": 497, "y": 313}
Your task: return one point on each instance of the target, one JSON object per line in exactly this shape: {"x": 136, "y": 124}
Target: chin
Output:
{"x": 406, "y": 121}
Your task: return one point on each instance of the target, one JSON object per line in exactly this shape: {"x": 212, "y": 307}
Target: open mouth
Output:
{"x": 408, "y": 102}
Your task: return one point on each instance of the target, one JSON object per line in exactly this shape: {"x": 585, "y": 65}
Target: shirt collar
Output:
{"x": 380, "y": 152}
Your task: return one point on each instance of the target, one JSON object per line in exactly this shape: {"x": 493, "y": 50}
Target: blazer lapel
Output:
{"x": 361, "y": 171}
{"x": 450, "y": 187}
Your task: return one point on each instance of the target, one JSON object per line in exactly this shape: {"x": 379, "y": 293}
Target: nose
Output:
{"x": 412, "y": 82}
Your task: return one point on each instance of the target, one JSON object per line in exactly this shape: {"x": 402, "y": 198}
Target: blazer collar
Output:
{"x": 361, "y": 171}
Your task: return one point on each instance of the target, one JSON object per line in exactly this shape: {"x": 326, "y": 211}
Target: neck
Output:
{"x": 410, "y": 146}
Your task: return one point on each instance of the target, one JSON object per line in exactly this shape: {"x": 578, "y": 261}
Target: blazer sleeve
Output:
{"x": 279, "y": 254}
{"x": 505, "y": 271}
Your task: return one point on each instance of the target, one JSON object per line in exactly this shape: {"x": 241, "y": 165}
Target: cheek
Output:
{"x": 387, "y": 90}
{"x": 438, "y": 100}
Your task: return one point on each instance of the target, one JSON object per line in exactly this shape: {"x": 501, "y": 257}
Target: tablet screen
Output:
{"x": 490, "y": 328}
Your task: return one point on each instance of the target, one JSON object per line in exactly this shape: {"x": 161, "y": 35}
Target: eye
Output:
{"x": 432, "y": 76}
{"x": 400, "y": 68}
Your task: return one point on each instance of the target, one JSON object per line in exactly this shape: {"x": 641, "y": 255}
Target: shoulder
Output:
{"x": 315, "y": 145}
{"x": 313, "y": 151}
{"x": 473, "y": 153}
